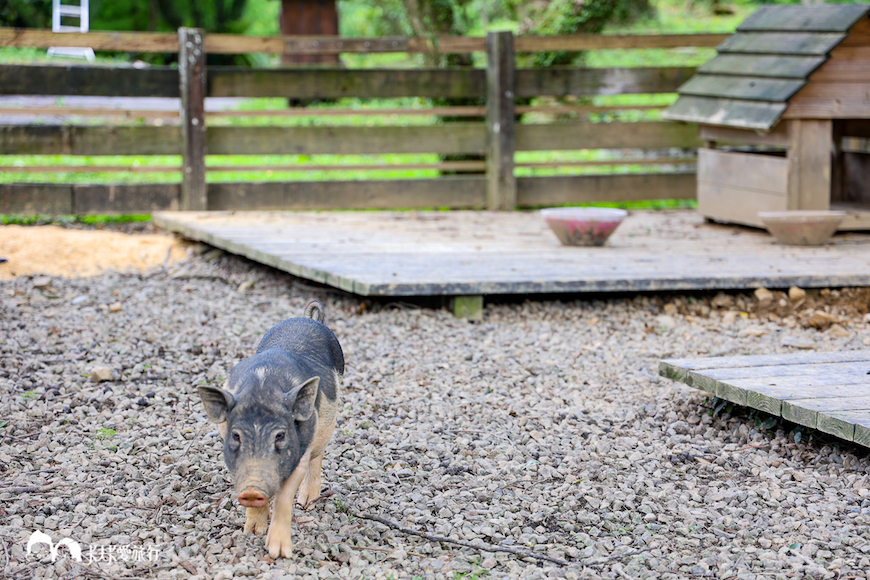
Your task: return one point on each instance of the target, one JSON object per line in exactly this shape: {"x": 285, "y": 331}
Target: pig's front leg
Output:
{"x": 257, "y": 519}
{"x": 279, "y": 542}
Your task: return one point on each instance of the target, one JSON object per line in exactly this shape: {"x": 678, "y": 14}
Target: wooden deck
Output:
{"x": 471, "y": 253}
{"x": 828, "y": 391}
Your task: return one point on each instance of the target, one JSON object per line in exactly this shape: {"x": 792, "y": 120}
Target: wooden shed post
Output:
{"x": 191, "y": 73}
{"x": 501, "y": 185}
{"x": 810, "y": 163}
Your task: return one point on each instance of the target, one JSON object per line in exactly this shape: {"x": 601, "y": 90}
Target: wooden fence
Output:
{"x": 497, "y": 139}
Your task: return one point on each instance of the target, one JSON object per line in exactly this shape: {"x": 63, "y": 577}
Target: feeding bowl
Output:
{"x": 583, "y": 226}
{"x": 802, "y": 227}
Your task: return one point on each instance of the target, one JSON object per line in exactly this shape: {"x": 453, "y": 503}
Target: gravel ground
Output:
{"x": 543, "y": 427}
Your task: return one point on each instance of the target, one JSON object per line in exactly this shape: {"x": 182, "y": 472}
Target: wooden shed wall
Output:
{"x": 840, "y": 88}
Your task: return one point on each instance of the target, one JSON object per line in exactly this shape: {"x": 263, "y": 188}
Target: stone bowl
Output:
{"x": 583, "y": 226}
{"x": 802, "y": 227}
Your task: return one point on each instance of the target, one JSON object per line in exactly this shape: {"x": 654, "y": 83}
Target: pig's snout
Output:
{"x": 253, "y": 498}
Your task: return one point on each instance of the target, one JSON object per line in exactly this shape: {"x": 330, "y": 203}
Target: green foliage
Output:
{"x": 26, "y": 13}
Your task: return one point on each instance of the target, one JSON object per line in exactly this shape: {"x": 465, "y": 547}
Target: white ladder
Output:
{"x": 80, "y": 11}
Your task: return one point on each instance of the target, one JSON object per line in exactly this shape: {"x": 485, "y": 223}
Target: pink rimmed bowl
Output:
{"x": 583, "y": 226}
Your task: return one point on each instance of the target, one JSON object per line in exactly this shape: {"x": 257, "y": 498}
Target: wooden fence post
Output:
{"x": 501, "y": 185}
{"x": 191, "y": 72}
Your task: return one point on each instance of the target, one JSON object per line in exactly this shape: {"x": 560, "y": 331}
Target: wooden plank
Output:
{"x": 192, "y": 86}
{"x": 297, "y": 44}
{"x": 779, "y": 66}
{"x": 616, "y": 135}
{"x": 822, "y": 413}
{"x": 823, "y": 100}
{"x": 374, "y": 83}
{"x": 825, "y": 391}
{"x": 456, "y": 138}
{"x": 83, "y": 80}
{"x": 766, "y": 360}
{"x": 809, "y": 164}
{"x": 557, "y": 82}
{"x": 89, "y": 168}
{"x": 454, "y": 192}
{"x": 861, "y": 421}
{"x": 339, "y": 83}
{"x": 88, "y": 140}
{"x": 580, "y": 42}
{"x": 845, "y": 65}
{"x": 501, "y": 185}
{"x": 777, "y": 137}
{"x": 569, "y": 189}
{"x": 612, "y": 162}
{"x": 806, "y": 43}
{"x": 78, "y": 112}
{"x": 725, "y": 112}
{"x": 114, "y": 41}
{"x": 738, "y": 87}
{"x": 125, "y": 199}
{"x": 859, "y": 35}
{"x": 34, "y": 140}
{"x": 34, "y": 198}
{"x": 734, "y": 205}
{"x": 756, "y": 171}
{"x": 815, "y": 18}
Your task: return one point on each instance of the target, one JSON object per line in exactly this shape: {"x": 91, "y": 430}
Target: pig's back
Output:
{"x": 313, "y": 341}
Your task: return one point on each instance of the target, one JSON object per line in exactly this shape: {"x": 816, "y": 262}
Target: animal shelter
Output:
{"x": 784, "y": 114}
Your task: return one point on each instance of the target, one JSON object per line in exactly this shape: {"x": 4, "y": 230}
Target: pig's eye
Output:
{"x": 279, "y": 437}
{"x": 236, "y": 437}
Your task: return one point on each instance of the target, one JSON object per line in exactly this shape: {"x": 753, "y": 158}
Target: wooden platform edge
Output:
{"x": 851, "y": 426}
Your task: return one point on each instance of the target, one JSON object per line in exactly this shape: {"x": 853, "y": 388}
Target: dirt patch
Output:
{"x": 57, "y": 251}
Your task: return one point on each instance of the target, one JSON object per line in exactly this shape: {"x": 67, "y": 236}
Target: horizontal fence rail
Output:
{"x": 237, "y": 44}
{"x": 492, "y": 133}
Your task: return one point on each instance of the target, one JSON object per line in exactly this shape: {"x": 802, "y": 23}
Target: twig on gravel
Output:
{"x": 52, "y": 470}
{"x": 32, "y": 489}
{"x": 484, "y": 547}
{"x": 6, "y": 553}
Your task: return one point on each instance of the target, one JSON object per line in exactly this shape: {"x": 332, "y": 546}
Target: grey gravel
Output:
{"x": 545, "y": 427}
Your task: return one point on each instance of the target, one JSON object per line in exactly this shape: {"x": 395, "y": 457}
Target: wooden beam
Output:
{"x": 501, "y": 185}
{"x": 545, "y": 191}
{"x": 459, "y": 138}
{"x": 453, "y": 139}
{"x": 36, "y": 198}
{"x": 88, "y": 140}
{"x": 454, "y": 192}
{"x": 564, "y": 81}
{"x": 578, "y": 42}
{"x": 778, "y": 137}
{"x": 192, "y": 86}
{"x": 84, "y": 80}
{"x": 125, "y": 198}
{"x": 338, "y": 83}
{"x": 239, "y": 44}
{"x": 616, "y": 135}
{"x": 810, "y": 164}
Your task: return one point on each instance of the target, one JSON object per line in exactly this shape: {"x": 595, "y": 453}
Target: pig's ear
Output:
{"x": 303, "y": 404}
{"x": 217, "y": 403}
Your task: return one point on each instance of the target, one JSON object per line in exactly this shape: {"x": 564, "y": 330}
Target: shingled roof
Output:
{"x": 758, "y": 69}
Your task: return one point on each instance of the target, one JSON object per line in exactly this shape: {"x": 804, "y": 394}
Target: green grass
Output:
{"x": 41, "y": 219}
